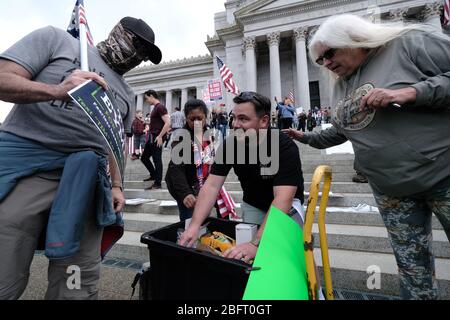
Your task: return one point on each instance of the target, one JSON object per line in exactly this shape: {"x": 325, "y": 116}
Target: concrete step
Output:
{"x": 336, "y": 187}
{"x": 340, "y": 236}
{"x": 337, "y": 177}
{"x": 335, "y": 215}
{"x": 142, "y": 222}
{"x": 308, "y": 168}
{"x": 129, "y": 247}
{"x": 304, "y": 150}
{"x": 373, "y": 239}
{"x": 350, "y": 268}
{"x": 363, "y": 219}
{"x": 335, "y": 199}
{"x": 156, "y": 207}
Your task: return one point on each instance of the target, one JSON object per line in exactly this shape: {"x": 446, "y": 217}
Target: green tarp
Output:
{"x": 281, "y": 257}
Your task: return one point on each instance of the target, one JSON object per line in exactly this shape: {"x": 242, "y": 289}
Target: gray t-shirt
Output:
{"x": 51, "y": 55}
{"x": 403, "y": 151}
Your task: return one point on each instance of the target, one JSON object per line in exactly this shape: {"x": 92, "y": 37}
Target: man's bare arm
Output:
{"x": 16, "y": 85}
{"x": 206, "y": 200}
{"x": 165, "y": 129}
{"x": 118, "y": 197}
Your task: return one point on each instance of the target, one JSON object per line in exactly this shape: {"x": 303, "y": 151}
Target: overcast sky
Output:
{"x": 180, "y": 26}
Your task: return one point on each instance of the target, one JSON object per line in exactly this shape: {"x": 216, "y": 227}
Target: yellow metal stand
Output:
{"x": 322, "y": 172}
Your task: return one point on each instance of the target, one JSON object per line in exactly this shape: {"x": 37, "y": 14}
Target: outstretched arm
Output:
{"x": 321, "y": 140}
{"x": 17, "y": 86}
{"x": 206, "y": 200}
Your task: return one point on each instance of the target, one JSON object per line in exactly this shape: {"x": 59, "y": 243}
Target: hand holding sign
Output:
{"x": 77, "y": 78}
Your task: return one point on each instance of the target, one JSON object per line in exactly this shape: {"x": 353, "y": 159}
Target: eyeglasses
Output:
{"x": 248, "y": 96}
{"x": 327, "y": 55}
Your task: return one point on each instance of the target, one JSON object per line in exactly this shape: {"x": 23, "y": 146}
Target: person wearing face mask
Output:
{"x": 36, "y": 74}
{"x": 277, "y": 181}
{"x": 392, "y": 101}
{"x": 183, "y": 180}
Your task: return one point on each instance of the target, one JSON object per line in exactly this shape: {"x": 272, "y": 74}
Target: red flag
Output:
{"x": 291, "y": 96}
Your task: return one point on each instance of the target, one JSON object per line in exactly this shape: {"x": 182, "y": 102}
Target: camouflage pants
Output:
{"x": 408, "y": 222}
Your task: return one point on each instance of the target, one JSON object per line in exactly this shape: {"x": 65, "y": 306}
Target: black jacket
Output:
{"x": 182, "y": 178}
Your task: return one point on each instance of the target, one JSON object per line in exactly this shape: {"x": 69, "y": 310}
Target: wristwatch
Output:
{"x": 116, "y": 185}
{"x": 255, "y": 242}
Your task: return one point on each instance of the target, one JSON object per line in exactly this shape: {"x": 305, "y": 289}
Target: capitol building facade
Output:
{"x": 264, "y": 43}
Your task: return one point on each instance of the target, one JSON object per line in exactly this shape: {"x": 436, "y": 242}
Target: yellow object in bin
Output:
{"x": 218, "y": 241}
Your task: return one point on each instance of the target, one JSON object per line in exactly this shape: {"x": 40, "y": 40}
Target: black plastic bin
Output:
{"x": 179, "y": 273}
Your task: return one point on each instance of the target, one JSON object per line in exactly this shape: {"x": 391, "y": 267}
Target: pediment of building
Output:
{"x": 267, "y": 6}
{"x": 262, "y": 10}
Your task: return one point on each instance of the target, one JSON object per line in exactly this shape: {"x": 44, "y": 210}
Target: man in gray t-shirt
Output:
{"x": 36, "y": 73}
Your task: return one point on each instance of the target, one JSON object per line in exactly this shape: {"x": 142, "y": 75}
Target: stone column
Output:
{"x": 273, "y": 40}
{"x": 303, "y": 98}
{"x": 184, "y": 97}
{"x": 140, "y": 102}
{"x": 397, "y": 15}
{"x": 169, "y": 106}
{"x": 431, "y": 15}
{"x": 250, "y": 57}
{"x": 200, "y": 92}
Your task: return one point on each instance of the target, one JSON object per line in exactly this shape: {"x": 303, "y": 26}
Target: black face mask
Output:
{"x": 120, "y": 50}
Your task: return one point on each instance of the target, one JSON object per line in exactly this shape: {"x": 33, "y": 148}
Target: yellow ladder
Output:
{"x": 322, "y": 173}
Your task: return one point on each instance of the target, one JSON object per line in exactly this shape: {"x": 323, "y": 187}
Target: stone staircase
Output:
{"x": 357, "y": 239}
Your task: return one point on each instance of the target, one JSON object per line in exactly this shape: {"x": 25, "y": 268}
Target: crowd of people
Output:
{"x": 398, "y": 127}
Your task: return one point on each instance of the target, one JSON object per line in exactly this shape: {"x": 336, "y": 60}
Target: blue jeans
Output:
{"x": 139, "y": 142}
{"x": 223, "y": 130}
{"x": 185, "y": 213}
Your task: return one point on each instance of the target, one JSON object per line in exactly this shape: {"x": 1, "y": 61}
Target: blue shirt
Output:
{"x": 286, "y": 111}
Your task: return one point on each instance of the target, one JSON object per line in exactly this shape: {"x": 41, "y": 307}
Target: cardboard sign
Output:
{"x": 215, "y": 90}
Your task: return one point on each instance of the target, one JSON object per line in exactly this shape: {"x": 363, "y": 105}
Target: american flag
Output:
{"x": 227, "y": 77}
{"x": 79, "y": 17}
{"x": 291, "y": 96}
{"x": 227, "y": 207}
{"x": 446, "y": 12}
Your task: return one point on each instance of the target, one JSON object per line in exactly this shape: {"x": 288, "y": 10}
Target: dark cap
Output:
{"x": 143, "y": 31}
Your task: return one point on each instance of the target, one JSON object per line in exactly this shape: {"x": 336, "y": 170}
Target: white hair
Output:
{"x": 351, "y": 31}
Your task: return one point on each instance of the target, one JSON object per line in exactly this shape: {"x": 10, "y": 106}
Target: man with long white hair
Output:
{"x": 392, "y": 101}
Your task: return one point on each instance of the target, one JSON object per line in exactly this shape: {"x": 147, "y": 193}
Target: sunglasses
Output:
{"x": 329, "y": 54}
{"x": 247, "y": 95}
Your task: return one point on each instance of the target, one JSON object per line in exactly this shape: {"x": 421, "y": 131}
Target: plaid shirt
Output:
{"x": 138, "y": 126}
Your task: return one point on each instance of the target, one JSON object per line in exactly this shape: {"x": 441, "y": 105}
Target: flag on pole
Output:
{"x": 79, "y": 18}
{"x": 291, "y": 96}
{"x": 446, "y": 12}
{"x": 227, "y": 77}
{"x": 280, "y": 265}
